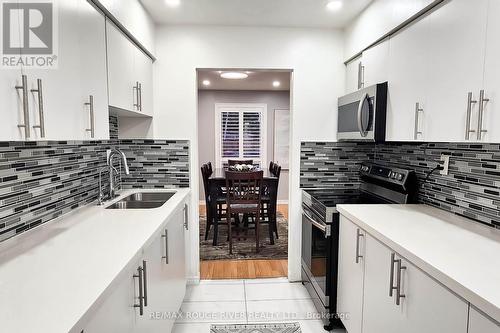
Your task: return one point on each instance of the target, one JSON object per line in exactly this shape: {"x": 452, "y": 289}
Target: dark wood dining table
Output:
{"x": 217, "y": 181}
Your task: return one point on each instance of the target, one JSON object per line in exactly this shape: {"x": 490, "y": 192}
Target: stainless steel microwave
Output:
{"x": 362, "y": 114}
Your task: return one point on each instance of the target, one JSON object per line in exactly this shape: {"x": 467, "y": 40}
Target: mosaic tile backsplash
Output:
{"x": 471, "y": 189}
{"x": 40, "y": 181}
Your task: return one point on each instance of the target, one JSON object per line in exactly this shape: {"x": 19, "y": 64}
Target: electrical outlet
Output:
{"x": 445, "y": 163}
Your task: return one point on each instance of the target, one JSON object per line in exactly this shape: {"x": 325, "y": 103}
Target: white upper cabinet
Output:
{"x": 408, "y": 83}
{"x": 491, "y": 113}
{"x": 479, "y": 323}
{"x": 130, "y": 75}
{"x": 375, "y": 61}
{"x": 120, "y": 69}
{"x": 93, "y": 72}
{"x": 456, "y": 44}
{"x": 354, "y": 75}
{"x": 12, "y": 111}
{"x": 55, "y": 97}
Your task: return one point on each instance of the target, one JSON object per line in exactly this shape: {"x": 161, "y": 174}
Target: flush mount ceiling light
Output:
{"x": 234, "y": 75}
{"x": 173, "y": 3}
{"x": 276, "y": 84}
{"x": 334, "y": 5}
{"x": 206, "y": 82}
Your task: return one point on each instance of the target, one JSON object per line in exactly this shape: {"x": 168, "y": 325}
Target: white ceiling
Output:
{"x": 279, "y": 13}
{"x": 257, "y": 80}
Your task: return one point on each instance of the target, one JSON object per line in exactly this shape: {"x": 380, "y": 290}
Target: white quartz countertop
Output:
{"x": 461, "y": 254}
{"x": 52, "y": 276}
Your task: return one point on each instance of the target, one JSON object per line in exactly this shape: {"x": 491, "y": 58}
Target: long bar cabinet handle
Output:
{"x": 165, "y": 236}
{"x": 90, "y": 104}
{"x": 24, "y": 88}
{"x": 399, "y": 295}
{"x": 358, "y": 236}
{"x": 39, "y": 92}
{"x": 482, "y": 101}
{"x": 418, "y": 110}
{"x": 470, "y": 102}
{"x": 140, "y": 276}
{"x": 391, "y": 279}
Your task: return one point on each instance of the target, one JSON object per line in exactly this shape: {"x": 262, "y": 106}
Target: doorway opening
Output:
{"x": 244, "y": 119}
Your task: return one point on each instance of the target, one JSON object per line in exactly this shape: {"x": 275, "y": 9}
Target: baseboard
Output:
{"x": 193, "y": 280}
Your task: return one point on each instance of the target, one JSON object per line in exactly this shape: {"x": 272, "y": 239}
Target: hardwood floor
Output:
{"x": 243, "y": 269}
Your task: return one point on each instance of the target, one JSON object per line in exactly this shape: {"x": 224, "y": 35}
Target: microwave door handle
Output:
{"x": 360, "y": 115}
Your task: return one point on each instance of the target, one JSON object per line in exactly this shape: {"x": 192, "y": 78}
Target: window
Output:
{"x": 240, "y": 133}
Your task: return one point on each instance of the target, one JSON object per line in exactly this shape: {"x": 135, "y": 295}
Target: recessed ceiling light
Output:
{"x": 334, "y": 5}
{"x": 173, "y": 3}
{"x": 276, "y": 84}
{"x": 206, "y": 82}
{"x": 234, "y": 75}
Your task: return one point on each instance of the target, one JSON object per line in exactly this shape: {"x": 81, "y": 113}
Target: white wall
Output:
{"x": 206, "y": 133}
{"x": 315, "y": 56}
{"x": 380, "y": 17}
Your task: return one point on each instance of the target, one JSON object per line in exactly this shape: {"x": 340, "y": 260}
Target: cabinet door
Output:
{"x": 423, "y": 297}
{"x": 375, "y": 61}
{"x": 408, "y": 81}
{"x": 380, "y": 314}
{"x": 93, "y": 72}
{"x": 456, "y": 62}
{"x": 116, "y": 313}
{"x": 120, "y": 69}
{"x": 353, "y": 78}
{"x": 165, "y": 270}
{"x": 143, "y": 68}
{"x": 479, "y": 323}
{"x": 351, "y": 271}
{"x": 61, "y": 86}
{"x": 491, "y": 117}
{"x": 12, "y": 102}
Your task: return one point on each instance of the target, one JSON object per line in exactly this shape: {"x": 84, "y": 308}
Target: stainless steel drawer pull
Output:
{"x": 358, "y": 236}
{"x": 140, "y": 95}
{"x": 482, "y": 101}
{"x": 90, "y": 104}
{"x": 470, "y": 102}
{"x": 26, "y": 113}
{"x": 399, "y": 295}
{"x": 139, "y": 275}
{"x": 391, "y": 280}
{"x": 166, "y": 246}
{"x": 145, "y": 281}
{"x": 418, "y": 110}
{"x": 186, "y": 217}
{"x": 39, "y": 92}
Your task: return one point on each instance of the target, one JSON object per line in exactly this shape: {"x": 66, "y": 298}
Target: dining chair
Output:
{"x": 213, "y": 217}
{"x": 235, "y": 162}
{"x": 243, "y": 197}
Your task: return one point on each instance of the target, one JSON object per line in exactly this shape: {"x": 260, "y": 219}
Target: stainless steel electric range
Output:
{"x": 320, "y": 228}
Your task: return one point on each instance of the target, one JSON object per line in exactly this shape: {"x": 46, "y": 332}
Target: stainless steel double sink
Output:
{"x": 142, "y": 200}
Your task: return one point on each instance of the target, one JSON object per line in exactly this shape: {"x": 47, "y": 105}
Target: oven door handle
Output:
{"x": 361, "y": 129}
{"x": 324, "y": 228}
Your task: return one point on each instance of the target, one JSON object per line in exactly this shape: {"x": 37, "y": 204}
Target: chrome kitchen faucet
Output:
{"x": 111, "y": 169}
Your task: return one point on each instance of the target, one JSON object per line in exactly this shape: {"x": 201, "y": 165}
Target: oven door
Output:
{"x": 316, "y": 254}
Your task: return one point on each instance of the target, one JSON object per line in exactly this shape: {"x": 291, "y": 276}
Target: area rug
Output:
{"x": 244, "y": 249}
{"x": 259, "y": 328}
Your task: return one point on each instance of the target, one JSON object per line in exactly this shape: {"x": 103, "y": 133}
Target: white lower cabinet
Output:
{"x": 384, "y": 292}
{"x": 351, "y": 273}
{"x": 479, "y": 323}
{"x": 159, "y": 276}
{"x": 424, "y": 304}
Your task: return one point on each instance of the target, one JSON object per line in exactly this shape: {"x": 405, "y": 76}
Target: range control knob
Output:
{"x": 400, "y": 176}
